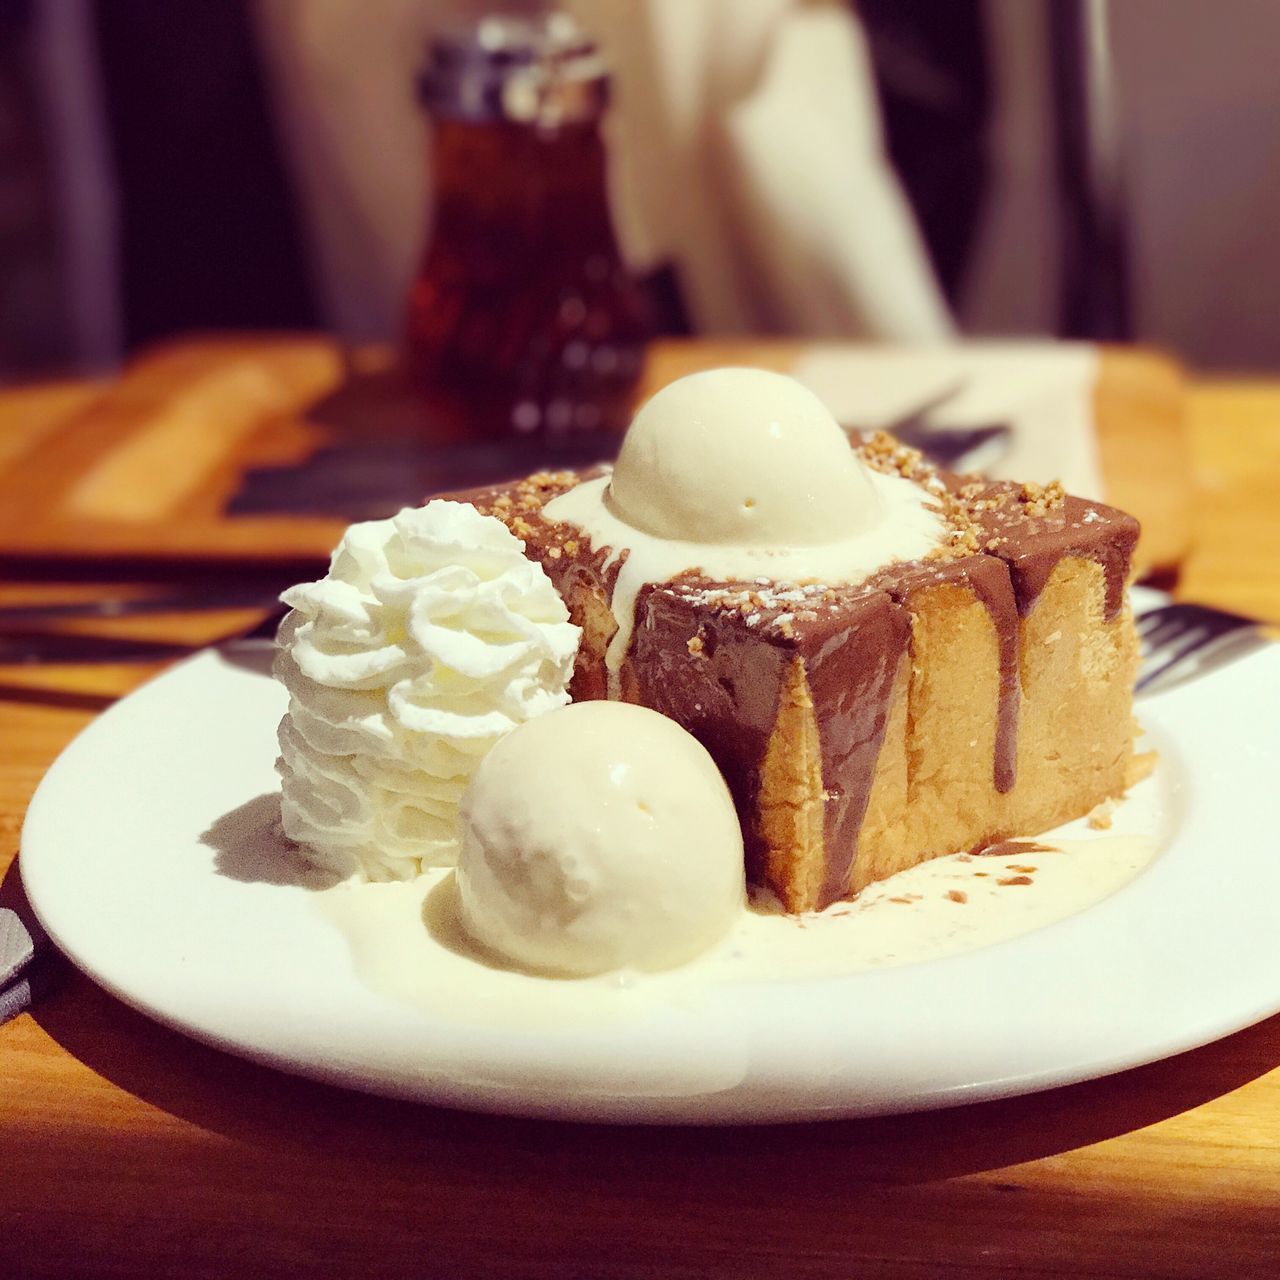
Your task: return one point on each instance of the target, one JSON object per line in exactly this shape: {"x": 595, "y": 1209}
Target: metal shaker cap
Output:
{"x": 545, "y": 71}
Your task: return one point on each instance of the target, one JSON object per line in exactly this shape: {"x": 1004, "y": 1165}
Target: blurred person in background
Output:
{"x": 262, "y": 165}
{"x": 851, "y": 168}
{"x": 746, "y": 145}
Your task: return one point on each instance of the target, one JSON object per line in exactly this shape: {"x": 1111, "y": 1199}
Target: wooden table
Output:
{"x": 127, "y": 1150}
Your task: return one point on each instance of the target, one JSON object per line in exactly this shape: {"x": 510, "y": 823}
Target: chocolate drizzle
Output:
{"x": 851, "y": 674}
{"x": 994, "y": 590}
{"x": 728, "y": 688}
{"x": 1033, "y": 547}
{"x": 1011, "y": 849}
{"x": 717, "y": 657}
{"x": 726, "y": 695}
{"x": 988, "y": 581}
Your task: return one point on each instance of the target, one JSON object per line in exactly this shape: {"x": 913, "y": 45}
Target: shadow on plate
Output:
{"x": 442, "y": 919}
{"x": 249, "y": 846}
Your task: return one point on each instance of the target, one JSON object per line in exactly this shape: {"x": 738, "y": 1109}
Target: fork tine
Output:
{"x": 1166, "y": 630}
{"x": 916, "y": 415}
{"x": 1170, "y": 632}
{"x": 1154, "y": 618}
{"x": 1174, "y": 658}
{"x": 1174, "y": 633}
{"x": 1197, "y": 642}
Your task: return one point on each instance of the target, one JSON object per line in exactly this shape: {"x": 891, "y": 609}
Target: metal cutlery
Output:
{"x": 25, "y": 648}
{"x": 255, "y": 597}
{"x": 33, "y": 647}
{"x": 23, "y": 948}
{"x": 1179, "y": 640}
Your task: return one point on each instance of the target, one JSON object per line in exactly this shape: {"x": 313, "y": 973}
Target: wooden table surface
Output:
{"x": 127, "y": 1150}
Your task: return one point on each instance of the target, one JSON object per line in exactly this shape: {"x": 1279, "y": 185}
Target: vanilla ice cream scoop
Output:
{"x": 741, "y": 456}
{"x": 599, "y": 837}
{"x": 742, "y": 475}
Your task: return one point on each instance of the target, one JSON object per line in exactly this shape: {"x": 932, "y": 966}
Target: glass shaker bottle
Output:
{"x": 523, "y": 320}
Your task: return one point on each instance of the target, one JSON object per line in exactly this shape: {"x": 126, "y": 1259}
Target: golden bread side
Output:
{"x": 980, "y": 693}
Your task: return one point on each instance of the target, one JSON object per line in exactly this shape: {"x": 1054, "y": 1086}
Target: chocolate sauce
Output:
{"x": 852, "y": 673}
{"x": 727, "y": 691}
{"x": 1010, "y": 849}
{"x": 721, "y": 672}
{"x": 727, "y": 694}
{"x": 995, "y": 591}
{"x": 987, "y": 579}
{"x": 1034, "y": 546}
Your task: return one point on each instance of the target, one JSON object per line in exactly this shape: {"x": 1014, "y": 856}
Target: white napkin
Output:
{"x": 1044, "y": 391}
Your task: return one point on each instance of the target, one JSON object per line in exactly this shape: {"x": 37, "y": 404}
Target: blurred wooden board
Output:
{"x": 1139, "y": 419}
{"x": 144, "y": 467}
{"x": 1234, "y": 561}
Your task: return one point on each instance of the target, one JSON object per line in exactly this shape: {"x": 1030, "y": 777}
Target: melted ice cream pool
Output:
{"x": 406, "y": 942}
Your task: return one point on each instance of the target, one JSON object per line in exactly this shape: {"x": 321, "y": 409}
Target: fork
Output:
{"x": 1174, "y": 635}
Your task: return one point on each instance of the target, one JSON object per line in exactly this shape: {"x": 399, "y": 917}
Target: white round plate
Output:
{"x": 115, "y": 866}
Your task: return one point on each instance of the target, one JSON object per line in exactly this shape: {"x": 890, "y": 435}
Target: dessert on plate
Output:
{"x": 886, "y": 662}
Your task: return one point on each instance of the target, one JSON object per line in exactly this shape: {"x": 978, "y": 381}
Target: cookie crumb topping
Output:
{"x": 980, "y": 516}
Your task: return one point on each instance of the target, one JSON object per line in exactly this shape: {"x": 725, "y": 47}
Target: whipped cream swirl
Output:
{"x": 431, "y": 637}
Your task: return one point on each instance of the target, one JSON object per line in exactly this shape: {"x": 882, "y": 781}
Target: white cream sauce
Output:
{"x": 406, "y": 942}
{"x": 907, "y": 527}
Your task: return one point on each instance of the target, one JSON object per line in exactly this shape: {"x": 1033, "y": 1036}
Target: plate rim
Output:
{"x": 766, "y": 1100}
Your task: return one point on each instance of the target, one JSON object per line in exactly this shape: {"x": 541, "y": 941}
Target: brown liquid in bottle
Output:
{"x": 523, "y": 321}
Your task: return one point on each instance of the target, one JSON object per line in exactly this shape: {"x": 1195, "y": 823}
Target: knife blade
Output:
{"x": 206, "y": 602}
{"x": 23, "y": 973}
{"x": 21, "y": 648}
{"x": 17, "y": 946}
{"x": 19, "y": 996}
